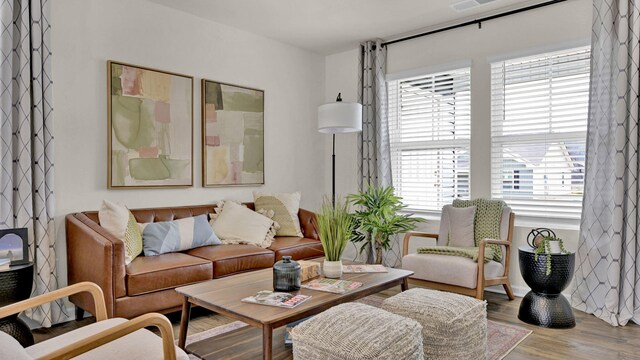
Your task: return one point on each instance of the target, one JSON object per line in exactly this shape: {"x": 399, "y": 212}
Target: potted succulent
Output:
{"x": 378, "y": 219}
{"x": 549, "y": 244}
{"x": 335, "y": 228}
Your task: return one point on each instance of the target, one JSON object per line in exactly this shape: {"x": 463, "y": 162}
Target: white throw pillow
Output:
{"x": 459, "y": 223}
{"x": 121, "y": 223}
{"x": 240, "y": 225}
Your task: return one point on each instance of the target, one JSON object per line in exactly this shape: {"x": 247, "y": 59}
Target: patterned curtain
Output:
{"x": 373, "y": 143}
{"x": 26, "y": 179}
{"x": 607, "y": 275}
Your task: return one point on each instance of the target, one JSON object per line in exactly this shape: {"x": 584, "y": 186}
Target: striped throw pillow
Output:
{"x": 178, "y": 235}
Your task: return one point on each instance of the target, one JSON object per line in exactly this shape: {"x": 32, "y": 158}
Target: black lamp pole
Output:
{"x": 333, "y": 173}
{"x": 333, "y": 163}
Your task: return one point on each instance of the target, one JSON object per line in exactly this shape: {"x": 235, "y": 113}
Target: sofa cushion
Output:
{"x": 296, "y": 247}
{"x": 232, "y": 259}
{"x": 153, "y": 273}
{"x": 453, "y": 270}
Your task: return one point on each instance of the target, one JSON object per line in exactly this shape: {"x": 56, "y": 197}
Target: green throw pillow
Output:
{"x": 285, "y": 207}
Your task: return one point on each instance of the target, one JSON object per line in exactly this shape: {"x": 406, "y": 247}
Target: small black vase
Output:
{"x": 286, "y": 275}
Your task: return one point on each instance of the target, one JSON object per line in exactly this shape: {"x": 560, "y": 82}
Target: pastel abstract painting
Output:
{"x": 233, "y": 135}
{"x": 151, "y": 127}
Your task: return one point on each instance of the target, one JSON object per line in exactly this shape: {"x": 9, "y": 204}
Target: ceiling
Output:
{"x": 330, "y": 26}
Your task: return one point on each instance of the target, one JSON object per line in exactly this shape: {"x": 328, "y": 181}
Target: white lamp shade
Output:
{"x": 339, "y": 117}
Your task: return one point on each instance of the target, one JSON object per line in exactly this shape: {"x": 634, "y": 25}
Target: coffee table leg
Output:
{"x": 184, "y": 322}
{"x": 405, "y": 284}
{"x": 267, "y": 340}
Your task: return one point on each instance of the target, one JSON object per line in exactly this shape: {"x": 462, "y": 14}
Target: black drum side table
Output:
{"x": 15, "y": 285}
{"x": 545, "y": 305}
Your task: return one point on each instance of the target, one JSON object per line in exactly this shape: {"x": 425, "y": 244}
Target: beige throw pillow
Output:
{"x": 285, "y": 207}
{"x": 236, "y": 224}
{"x": 459, "y": 222}
{"x": 120, "y": 222}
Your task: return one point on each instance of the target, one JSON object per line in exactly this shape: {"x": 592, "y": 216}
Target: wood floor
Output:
{"x": 590, "y": 339}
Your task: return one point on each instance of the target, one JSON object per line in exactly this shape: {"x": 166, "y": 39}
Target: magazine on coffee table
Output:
{"x": 355, "y": 269}
{"x": 279, "y": 299}
{"x": 335, "y": 286}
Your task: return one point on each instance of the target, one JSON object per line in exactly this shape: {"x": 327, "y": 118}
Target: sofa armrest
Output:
{"x": 94, "y": 255}
{"x": 308, "y": 224}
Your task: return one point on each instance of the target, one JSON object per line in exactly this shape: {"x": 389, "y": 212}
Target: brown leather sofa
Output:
{"x": 148, "y": 283}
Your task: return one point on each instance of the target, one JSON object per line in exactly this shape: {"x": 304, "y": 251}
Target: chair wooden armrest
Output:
{"x": 494, "y": 241}
{"x": 116, "y": 332}
{"x": 91, "y": 288}
{"x": 409, "y": 234}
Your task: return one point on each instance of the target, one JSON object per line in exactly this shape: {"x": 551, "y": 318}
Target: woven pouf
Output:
{"x": 356, "y": 331}
{"x": 453, "y": 326}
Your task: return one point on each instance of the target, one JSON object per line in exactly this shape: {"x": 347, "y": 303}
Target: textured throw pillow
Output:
{"x": 236, "y": 224}
{"x": 178, "y": 235}
{"x": 285, "y": 207}
{"x": 270, "y": 234}
{"x": 120, "y": 222}
{"x": 460, "y": 223}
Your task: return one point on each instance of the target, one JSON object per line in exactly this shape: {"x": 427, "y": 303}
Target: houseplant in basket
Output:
{"x": 550, "y": 245}
{"x": 335, "y": 228}
{"x": 378, "y": 218}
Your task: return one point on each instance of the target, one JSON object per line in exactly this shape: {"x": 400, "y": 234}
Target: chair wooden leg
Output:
{"x": 508, "y": 290}
{"x": 480, "y": 293}
{"x": 79, "y": 313}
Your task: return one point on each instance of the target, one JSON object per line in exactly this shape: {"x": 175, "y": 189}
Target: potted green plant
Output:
{"x": 378, "y": 218}
{"x": 335, "y": 228}
{"x": 548, "y": 245}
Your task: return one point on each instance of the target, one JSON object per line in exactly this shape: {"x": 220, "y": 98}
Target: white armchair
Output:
{"x": 105, "y": 339}
{"x": 459, "y": 274}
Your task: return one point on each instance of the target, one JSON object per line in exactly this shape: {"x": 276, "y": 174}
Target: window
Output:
{"x": 539, "y": 108}
{"x": 429, "y": 126}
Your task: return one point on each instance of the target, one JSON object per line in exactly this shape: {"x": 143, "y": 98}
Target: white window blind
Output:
{"x": 539, "y": 108}
{"x": 429, "y": 126}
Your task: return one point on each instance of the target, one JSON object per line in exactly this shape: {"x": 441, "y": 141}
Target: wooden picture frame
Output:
{"x": 14, "y": 244}
{"x": 149, "y": 127}
{"x": 232, "y": 135}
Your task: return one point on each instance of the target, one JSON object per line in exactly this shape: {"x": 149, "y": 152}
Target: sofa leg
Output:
{"x": 79, "y": 313}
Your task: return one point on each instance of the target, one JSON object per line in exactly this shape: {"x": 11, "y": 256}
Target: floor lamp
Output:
{"x": 338, "y": 118}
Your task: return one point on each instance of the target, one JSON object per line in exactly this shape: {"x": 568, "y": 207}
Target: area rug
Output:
{"x": 501, "y": 338}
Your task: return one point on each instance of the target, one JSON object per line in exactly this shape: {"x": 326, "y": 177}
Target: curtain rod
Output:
{"x": 476, "y": 21}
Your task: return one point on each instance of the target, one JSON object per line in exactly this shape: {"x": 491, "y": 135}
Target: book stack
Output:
{"x": 279, "y": 299}
{"x": 335, "y": 286}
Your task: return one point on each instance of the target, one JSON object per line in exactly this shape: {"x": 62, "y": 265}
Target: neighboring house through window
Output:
{"x": 539, "y": 108}
{"x": 429, "y": 122}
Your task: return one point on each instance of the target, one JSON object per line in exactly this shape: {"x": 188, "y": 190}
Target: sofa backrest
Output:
{"x": 307, "y": 218}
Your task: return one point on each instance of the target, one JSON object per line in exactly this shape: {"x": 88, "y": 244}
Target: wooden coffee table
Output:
{"x": 223, "y": 296}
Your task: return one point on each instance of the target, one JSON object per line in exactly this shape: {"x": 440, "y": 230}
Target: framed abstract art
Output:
{"x": 232, "y": 135}
{"x": 150, "y": 127}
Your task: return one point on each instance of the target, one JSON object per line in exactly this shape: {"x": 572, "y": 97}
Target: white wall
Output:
{"x": 87, "y": 33}
{"x": 543, "y": 29}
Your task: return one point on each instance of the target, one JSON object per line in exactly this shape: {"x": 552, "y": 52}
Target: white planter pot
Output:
{"x": 332, "y": 269}
{"x": 554, "y": 247}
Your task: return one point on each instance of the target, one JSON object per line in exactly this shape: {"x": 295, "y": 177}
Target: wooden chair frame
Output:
{"x": 103, "y": 337}
{"x": 482, "y": 282}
